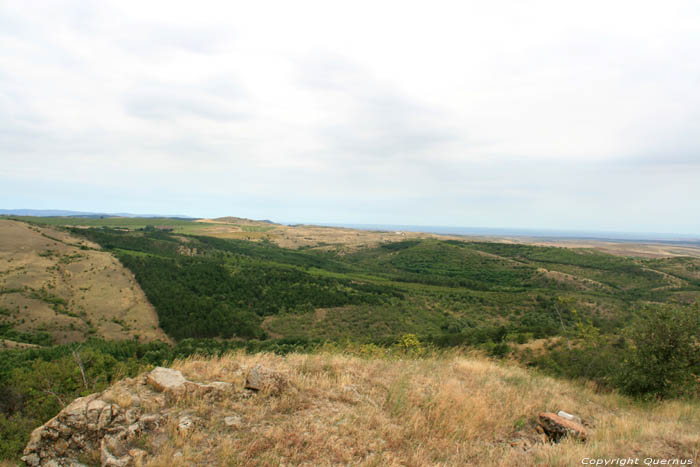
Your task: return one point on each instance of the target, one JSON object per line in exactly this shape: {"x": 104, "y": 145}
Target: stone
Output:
{"x": 96, "y": 425}
{"x": 113, "y": 452}
{"x": 31, "y": 459}
{"x": 556, "y": 427}
{"x": 200, "y": 389}
{"x": 263, "y": 379}
{"x": 570, "y": 417}
{"x": 185, "y": 425}
{"x": 150, "y": 421}
{"x": 233, "y": 421}
{"x": 94, "y": 410}
{"x": 166, "y": 379}
{"x": 137, "y": 453}
{"x": 61, "y": 446}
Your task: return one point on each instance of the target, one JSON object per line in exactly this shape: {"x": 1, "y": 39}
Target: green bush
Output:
{"x": 662, "y": 358}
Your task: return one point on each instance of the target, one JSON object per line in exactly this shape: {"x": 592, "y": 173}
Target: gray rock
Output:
{"x": 570, "y": 417}
{"x": 166, "y": 379}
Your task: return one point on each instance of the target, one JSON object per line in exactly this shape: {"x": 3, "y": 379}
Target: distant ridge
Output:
{"x": 543, "y": 234}
{"x": 65, "y": 213}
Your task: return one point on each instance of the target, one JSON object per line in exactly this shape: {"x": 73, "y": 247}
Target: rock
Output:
{"x": 186, "y": 424}
{"x": 97, "y": 426}
{"x": 137, "y": 453}
{"x": 570, "y": 417}
{"x": 150, "y": 421}
{"x": 166, "y": 379}
{"x": 263, "y": 379}
{"x": 234, "y": 422}
{"x": 31, "y": 459}
{"x": 200, "y": 389}
{"x": 556, "y": 427}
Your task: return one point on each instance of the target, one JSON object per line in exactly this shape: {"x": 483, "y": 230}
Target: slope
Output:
{"x": 57, "y": 287}
{"x": 337, "y": 409}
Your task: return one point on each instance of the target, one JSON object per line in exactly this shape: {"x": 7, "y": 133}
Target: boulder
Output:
{"x": 97, "y": 426}
{"x": 263, "y": 379}
{"x": 166, "y": 379}
{"x": 556, "y": 427}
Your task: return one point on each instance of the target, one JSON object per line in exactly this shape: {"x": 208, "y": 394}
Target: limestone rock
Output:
{"x": 263, "y": 379}
{"x": 570, "y": 417}
{"x": 166, "y": 379}
{"x": 97, "y": 426}
{"x": 556, "y": 427}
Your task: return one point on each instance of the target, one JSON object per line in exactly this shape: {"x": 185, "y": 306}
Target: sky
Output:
{"x": 537, "y": 114}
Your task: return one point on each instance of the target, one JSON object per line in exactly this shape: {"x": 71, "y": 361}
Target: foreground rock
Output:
{"x": 166, "y": 379}
{"x": 108, "y": 425}
{"x": 263, "y": 379}
{"x": 556, "y": 427}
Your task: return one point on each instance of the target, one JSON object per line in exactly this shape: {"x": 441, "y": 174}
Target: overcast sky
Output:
{"x": 539, "y": 114}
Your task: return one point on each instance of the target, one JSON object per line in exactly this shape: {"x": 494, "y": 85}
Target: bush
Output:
{"x": 662, "y": 358}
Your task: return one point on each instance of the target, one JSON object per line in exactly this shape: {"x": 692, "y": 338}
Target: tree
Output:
{"x": 662, "y": 358}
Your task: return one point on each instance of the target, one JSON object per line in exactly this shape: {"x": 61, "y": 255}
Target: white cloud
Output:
{"x": 505, "y": 113}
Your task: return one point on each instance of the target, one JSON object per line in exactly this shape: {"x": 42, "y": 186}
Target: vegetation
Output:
{"x": 627, "y": 324}
{"x": 656, "y": 356}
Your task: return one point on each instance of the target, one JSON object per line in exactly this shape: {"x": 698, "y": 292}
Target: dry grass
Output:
{"x": 99, "y": 293}
{"x": 456, "y": 410}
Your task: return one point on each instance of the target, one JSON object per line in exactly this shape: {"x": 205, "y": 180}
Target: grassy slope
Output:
{"x": 49, "y": 284}
{"x": 449, "y": 410}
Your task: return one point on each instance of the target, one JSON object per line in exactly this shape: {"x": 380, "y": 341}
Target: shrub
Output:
{"x": 662, "y": 358}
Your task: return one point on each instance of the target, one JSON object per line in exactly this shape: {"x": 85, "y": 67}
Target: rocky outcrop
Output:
{"x": 556, "y": 427}
{"x": 108, "y": 425}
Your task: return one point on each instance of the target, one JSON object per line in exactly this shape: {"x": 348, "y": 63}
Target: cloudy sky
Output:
{"x": 537, "y": 114}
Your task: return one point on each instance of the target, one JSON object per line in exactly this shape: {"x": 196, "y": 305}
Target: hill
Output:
{"x": 55, "y": 287}
{"x": 210, "y": 287}
{"x": 338, "y": 409}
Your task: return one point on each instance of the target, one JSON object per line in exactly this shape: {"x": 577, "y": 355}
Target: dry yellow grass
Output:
{"x": 98, "y": 291}
{"x": 450, "y": 410}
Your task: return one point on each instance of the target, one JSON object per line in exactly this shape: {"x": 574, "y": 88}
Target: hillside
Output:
{"x": 55, "y": 287}
{"x": 337, "y": 409}
{"x": 206, "y": 287}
